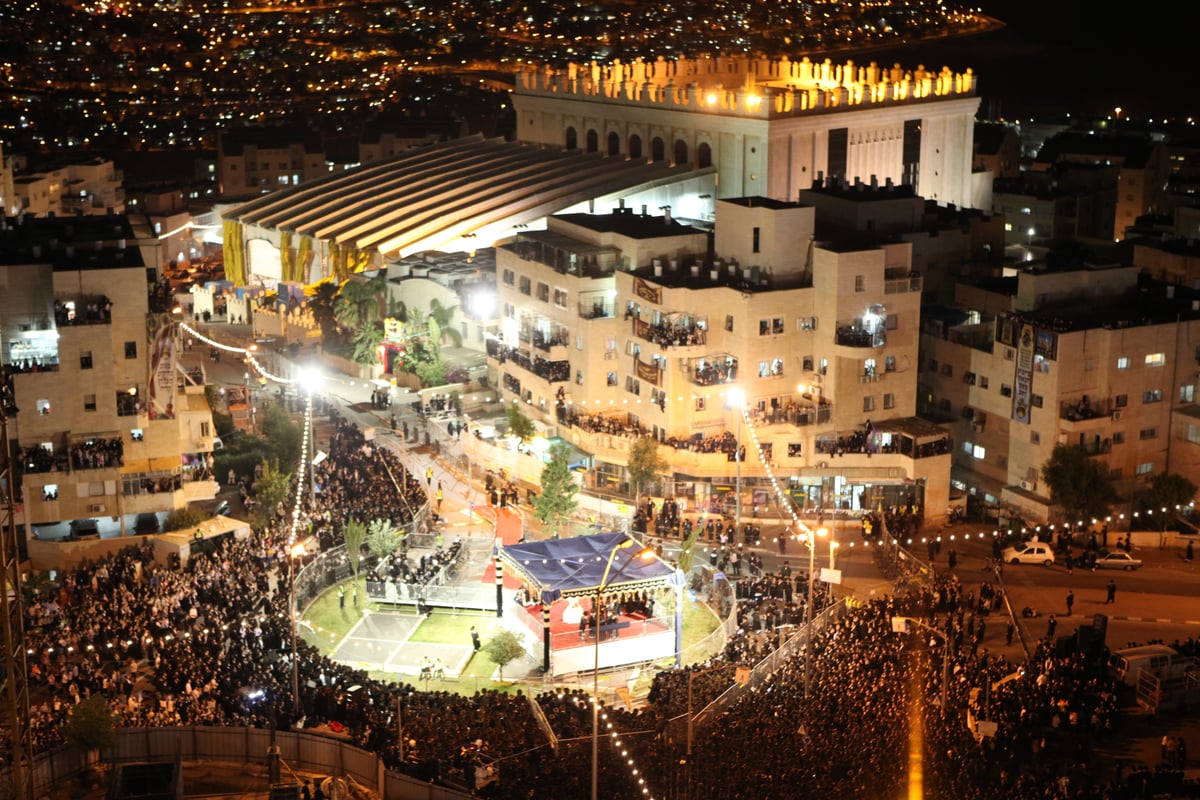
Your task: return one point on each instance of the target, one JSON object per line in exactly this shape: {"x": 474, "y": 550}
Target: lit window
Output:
{"x": 1156, "y": 359}
{"x": 1145, "y": 468}
{"x": 978, "y": 453}
{"x": 1123, "y": 362}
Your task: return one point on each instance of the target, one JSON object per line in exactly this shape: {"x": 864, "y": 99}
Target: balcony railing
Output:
{"x": 853, "y": 334}
{"x": 557, "y": 337}
{"x": 597, "y": 310}
{"x": 713, "y": 370}
{"x": 1083, "y": 409}
{"x": 795, "y": 414}
{"x": 903, "y": 285}
{"x": 670, "y": 335}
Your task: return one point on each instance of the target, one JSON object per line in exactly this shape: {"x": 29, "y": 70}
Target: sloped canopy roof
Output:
{"x": 574, "y": 567}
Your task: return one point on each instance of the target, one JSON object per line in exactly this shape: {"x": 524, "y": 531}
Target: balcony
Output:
{"x": 807, "y": 412}
{"x": 712, "y": 370}
{"x": 854, "y": 334}
{"x": 1083, "y": 414}
{"x": 912, "y": 283}
{"x": 82, "y": 309}
{"x": 557, "y": 336}
{"x": 565, "y": 255}
{"x": 684, "y": 334}
{"x": 597, "y": 309}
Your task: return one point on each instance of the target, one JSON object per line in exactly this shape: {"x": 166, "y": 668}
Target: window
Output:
{"x": 770, "y": 369}
{"x": 969, "y": 377}
{"x": 892, "y": 321}
{"x": 756, "y": 240}
{"x": 1035, "y": 437}
{"x": 806, "y": 364}
{"x": 579, "y": 341}
{"x": 1008, "y": 354}
{"x": 933, "y": 365}
{"x": 824, "y": 366}
{"x": 525, "y": 286}
{"x": 509, "y": 277}
{"x": 560, "y": 298}
{"x": 579, "y": 377}
{"x": 1145, "y": 468}
{"x": 1146, "y": 434}
{"x": 1005, "y": 390}
{"x": 205, "y": 430}
{"x": 543, "y": 292}
{"x": 1123, "y": 362}
{"x": 889, "y": 400}
{"x": 89, "y": 402}
{"x": 729, "y": 322}
{"x": 983, "y": 382}
{"x": 1187, "y": 393}
{"x": 1193, "y": 433}
{"x": 860, "y": 283}
{"x": 85, "y": 359}
{"x": 978, "y": 453}
{"x": 131, "y": 349}
{"x": 612, "y": 379}
{"x": 43, "y": 407}
{"x": 869, "y": 403}
{"x": 1121, "y": 400}
{"x": 1152, "y": 396}
{"x": 1156, "y": 359}
{"x": 701, "y": 403}
{"x": 1036, "y": 401}
{"x": 795, "y": 449}
{"x": 806, "y": 324}
{"x": 769, "y": 327}
{"x": 889, "y": 364}
{"x": 1118, "y": 437}
{"x": 633, "y": 385}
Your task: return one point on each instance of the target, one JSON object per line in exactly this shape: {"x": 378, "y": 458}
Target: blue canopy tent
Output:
{"x": 561, "y": 568}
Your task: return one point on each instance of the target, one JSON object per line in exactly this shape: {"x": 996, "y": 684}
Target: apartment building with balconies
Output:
{"x": 104, "y": 426}
{"x": 638, "y": 325}
{"x": 1099, "y": 358}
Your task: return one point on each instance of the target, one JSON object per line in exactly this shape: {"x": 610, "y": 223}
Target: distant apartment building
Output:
{"x": 1097, "y": 358}
{"x": 1067, "y": 201}
{"x": 1143, "y": 170}
{"x": 254, "y": 160}
{"x": 770, "y": 128}
{"x": 390, "y": 135}
{"x": 104, "y": 424}
{"x": 997, "y": 149}
{"x": 90, "y": 187}
{"x": 625, "y": 324}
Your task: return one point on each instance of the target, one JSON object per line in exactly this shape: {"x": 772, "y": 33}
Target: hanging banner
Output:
{"x": 646, "y": 372}
{"x": 1023, "y": 379}
{"x": 652, "y": 294}
{"x": 161, "y": 367}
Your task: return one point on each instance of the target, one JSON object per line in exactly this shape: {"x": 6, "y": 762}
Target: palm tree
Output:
{"x": 358, "y": 301}
{"x": 444, "y": 317}
{"x": 321, "y": 300}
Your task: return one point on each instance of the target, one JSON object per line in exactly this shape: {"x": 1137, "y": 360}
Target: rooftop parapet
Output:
{"x": 746, "y": 87}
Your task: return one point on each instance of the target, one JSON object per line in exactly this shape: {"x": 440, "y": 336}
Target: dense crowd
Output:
{"x": 210, "y": 645}
{"x": 87, "y": 454}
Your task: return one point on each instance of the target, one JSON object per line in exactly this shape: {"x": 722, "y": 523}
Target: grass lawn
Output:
{"x": 331, "y": 623}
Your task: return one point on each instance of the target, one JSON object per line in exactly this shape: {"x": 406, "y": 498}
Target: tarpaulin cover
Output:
{"x": 575, "y": 566}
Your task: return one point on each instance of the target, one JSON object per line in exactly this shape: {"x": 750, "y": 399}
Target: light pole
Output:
{"x": 624, "y": 544}
{"x": 738, "y": 398}
{"x": 296, "y": 551}
{"x": 812, "y": 582}
{"x": 901, "y": 625}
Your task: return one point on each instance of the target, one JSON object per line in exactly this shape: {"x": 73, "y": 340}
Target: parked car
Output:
{"x": 1117, "y": 559}
{"x": 1029, "y": 553}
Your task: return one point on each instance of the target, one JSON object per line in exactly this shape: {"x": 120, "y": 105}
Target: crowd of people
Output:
{"x": 95, "y": 453}
{"x": 209, "y": 644}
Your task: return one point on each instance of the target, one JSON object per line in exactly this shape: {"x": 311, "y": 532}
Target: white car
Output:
{"x": 1117, "y": 559}
{"x": 1029, "y": 553}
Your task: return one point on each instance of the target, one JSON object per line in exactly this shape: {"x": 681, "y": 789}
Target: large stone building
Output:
{"x": 770, "y": 128}
{"x": 103, "y": 426}
{"x": 1097, "y": 357}
{"x": 625, "y": 324}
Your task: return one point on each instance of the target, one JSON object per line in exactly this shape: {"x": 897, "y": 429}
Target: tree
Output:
{"x": 502, "y": 649}
{"x": 282, "y": 435}
{"x": 366, "y": 343}
{"x": 1167, "y": 490}
{"x": 184, "y": 519}
{"x": 360, "y": 301}
{"x": 90, "y": 724}
{"x": 519, "y": 425}
{"x": 383, "y": 538}
{"x": 644, "y": 465}
{"x": 1078, "y": 484}
{"x": 556, "y": 503}
{"x": 443, "y": 316}
{"x": 354, "y": 533}
{"x": 321, "y": 301}
{"x": 271, "y": 488}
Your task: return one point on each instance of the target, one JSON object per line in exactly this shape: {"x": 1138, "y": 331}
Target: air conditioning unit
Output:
{"x": 816, "y": 378}
{"x": 1116, "y": 415}
{"x": 96, "y": 508}
{"x": 1028, "y": 486}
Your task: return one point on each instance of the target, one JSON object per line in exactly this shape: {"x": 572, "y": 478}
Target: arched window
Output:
{"x": 614, "y": 144}
{"x": 704, "y": 155}
{"x": 593, "y": 142}
{"x": 572, "y": 142}
{"x": 658, "y": 150}
{"x": 635, "y": 146}
{"x": 681, "y": 151}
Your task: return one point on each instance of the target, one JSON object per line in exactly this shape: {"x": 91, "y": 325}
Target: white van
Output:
{"x": 1163, "y": 661}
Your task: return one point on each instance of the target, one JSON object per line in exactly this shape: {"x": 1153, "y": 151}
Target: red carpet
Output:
{"x": 566, "y": 634}
{"x": 508, "y": 527}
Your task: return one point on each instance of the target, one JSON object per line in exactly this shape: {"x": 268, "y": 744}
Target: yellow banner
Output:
{"x": 646, "y": 372}
{"x": 652, "y": 294}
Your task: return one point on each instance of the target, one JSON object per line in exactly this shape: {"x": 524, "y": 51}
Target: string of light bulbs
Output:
{"x": 615, "y": 740}
{"x": 244, "y": 352}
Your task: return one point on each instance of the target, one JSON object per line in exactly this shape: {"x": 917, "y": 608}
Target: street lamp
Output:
{"x": 296, "y": 552}
{"x": 812, "y": 582}
{"x": 738, "y": 398}
{"x": 644, "y": 552}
